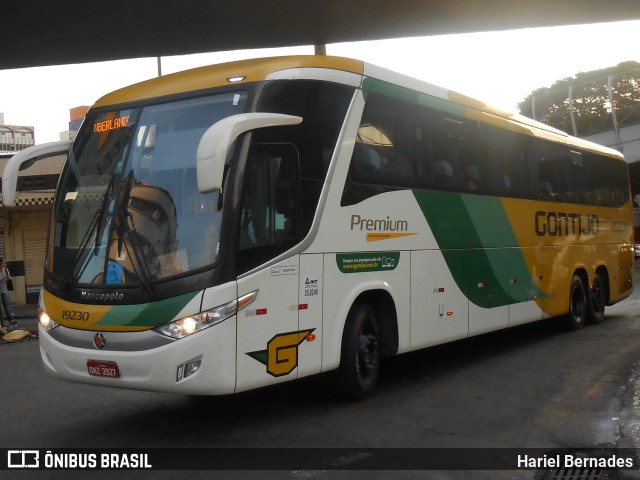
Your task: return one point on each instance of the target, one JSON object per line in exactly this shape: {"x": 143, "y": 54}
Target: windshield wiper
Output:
{"x": 100, "y": 212}
{"x": 80, "y": 255}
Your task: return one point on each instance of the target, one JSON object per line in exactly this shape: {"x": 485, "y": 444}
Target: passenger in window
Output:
{"x": 472, "y": 178}
{"x": 247, "y": 234}
{"x": 443, "y": 175}
{"x": 506, "y": 184}
{"x": 545, "y": 189}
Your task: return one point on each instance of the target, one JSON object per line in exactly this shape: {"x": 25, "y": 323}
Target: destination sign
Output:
{"x": 110, "y": 124}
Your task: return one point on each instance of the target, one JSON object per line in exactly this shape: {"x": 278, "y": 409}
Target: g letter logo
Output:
{"x": 281, "y": 355}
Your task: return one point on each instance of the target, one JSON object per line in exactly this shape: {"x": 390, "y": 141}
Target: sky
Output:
{"x": 498, "y": 68}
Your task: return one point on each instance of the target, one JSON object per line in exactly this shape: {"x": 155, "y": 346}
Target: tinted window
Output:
{"x": 405, "y": 145}
{"x": 455, "y": 161}
{"x": 402, "y": 145}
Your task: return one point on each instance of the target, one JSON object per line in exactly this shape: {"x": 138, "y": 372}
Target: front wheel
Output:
{"x": 577, "y": 315}
{"x": 360, "y": 355}
{"x": 597, "y": 301}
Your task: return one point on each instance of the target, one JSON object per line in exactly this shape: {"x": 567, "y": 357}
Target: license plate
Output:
{"x": 99, "y": 368}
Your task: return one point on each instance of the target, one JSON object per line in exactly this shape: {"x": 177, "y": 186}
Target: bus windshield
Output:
{"x": 128, "y": 209}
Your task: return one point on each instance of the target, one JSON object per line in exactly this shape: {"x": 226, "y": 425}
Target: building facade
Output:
{"x": 76, "y": 117}
{"x": 24, "y": 227}
{"x": 15, "y": 137}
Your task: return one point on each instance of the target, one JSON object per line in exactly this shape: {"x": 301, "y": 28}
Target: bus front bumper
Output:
{"x": 159, "y": 369}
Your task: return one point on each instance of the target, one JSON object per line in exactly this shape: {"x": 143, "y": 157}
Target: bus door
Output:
{"x": 268, "y": 335}
{"x": 268, "y": 339}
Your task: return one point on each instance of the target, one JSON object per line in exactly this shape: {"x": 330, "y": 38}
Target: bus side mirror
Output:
{"x": 216, "y": 141}
{"x": 24, "y": 159}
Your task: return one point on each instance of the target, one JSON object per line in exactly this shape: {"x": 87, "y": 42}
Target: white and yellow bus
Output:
{"x": 250, "y": 223}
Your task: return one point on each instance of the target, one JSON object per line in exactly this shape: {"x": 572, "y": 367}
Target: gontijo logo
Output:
{"x": 381, "y": 228}
{"x": 558, "y": 224}
{"x": 281, "y": 355}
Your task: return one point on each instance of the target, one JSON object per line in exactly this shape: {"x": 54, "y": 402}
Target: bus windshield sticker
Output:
{"x": 367, "y": 261}
{"x": 115, "y": 273}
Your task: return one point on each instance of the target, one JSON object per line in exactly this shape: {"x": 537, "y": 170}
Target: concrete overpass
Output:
{"x": 47, "y": 32}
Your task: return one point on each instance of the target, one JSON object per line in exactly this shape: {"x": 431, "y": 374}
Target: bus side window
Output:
{"x": 387, "y": 149}
{"x": 512, "y": 169}
{"x": 457, "y": 159}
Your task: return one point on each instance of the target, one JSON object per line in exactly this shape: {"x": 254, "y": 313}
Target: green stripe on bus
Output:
{"x": 479, "y": 246}
{"x": 149, "y": 314}
{"x": 411, "y": 96}
{"x": 494, "y": 229}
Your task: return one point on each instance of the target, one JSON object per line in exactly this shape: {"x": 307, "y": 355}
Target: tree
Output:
{"x": 587, "y": 95}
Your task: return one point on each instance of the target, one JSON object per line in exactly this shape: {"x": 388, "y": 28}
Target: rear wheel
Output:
{"x": 577, "y": 315}
{"x": 597, "y": 300}
{"x": 360, "y": 356}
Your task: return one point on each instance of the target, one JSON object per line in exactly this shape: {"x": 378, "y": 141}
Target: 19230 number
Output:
{"x": 77, "y": 315}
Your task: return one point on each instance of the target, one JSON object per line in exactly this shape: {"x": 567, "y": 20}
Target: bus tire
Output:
{"x": 577, "y": 314}
{"x": 360, "y": 354}
{"x": 597, "y": 300}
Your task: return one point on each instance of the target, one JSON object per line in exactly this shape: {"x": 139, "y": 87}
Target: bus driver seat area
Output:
{"x": 366, "y": 162}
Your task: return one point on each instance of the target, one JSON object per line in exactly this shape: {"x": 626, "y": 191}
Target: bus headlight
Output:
{"x": 46, "y": 321}
{"x": 194, "y": 323}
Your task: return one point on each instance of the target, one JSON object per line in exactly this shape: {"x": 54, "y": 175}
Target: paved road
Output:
{"x": 533, "y": 386}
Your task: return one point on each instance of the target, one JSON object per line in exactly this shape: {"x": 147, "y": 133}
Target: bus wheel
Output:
{"x": 577, "y": 314}
{"x": 597, "y": 301}
{"x": 360, "y": 356}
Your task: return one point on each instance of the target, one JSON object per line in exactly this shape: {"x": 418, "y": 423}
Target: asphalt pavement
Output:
{"x": 627, "y": 417}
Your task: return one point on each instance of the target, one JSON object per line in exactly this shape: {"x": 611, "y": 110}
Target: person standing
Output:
{"x": 5, "y": 276}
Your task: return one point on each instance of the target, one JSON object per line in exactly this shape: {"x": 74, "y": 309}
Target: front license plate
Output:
{"x": 99, "y": 368}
